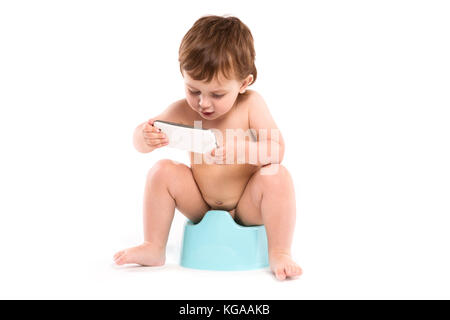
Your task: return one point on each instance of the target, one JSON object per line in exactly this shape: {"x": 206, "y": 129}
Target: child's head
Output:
{"x": 217, "y": 61}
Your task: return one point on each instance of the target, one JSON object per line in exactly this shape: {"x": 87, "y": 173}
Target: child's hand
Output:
{"x": 153, "y": 136}
{"x": 223, "y": 155}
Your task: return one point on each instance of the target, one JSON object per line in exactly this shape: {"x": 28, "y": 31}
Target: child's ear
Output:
{"x": 248, "y": 81}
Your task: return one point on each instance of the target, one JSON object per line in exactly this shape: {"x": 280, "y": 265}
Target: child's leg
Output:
{"x": 270, "y": 200}
{"x": 169, "y": 185}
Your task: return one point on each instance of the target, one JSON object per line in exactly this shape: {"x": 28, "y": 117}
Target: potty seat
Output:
{"x": 217, "y": 242}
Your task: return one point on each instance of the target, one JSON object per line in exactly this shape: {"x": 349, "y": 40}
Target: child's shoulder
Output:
{"x": 255, "y": 102}
{"x": 249, "y": 100}
{"x": 259, "y": 115}
{"x": 175, "y": 112}
{"x": 252, "y": 93}
{"x": 254, "y": 97}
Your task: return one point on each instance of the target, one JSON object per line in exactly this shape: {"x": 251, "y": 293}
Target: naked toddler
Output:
{"x": 244, "y": 175}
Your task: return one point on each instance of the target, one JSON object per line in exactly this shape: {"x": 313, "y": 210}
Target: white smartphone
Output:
{"x": 186, "y": 137}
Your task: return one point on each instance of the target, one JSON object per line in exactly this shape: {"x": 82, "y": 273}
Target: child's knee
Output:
{"x": 164, "y": 169}
{"x": 273, "y": 175}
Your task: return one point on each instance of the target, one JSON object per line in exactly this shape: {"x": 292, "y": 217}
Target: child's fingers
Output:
{"x": 219, "y": 160}
{"x": 218, "y": 152}
{"x": 214, "y": 152}
{"x": 216, "y": 155}
{"x": 155, "y": 142}
{"x": 162, "y": 144}
{"x": 221, "y": 155}
{"x": 151, "y": 124}
{"x": 155, "y": 135}
{"x": 150, "y": 128}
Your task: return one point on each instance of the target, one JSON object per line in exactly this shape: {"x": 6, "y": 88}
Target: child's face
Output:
{"x": 211, "y": 100}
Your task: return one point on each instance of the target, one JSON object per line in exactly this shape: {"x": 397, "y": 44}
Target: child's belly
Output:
{"x": 222, "y": 185}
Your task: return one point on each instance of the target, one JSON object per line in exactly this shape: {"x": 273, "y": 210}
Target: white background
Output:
{"x": 359, "y": 89}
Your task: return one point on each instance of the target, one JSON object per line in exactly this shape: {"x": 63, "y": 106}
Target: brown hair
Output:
{"x": 216, "y": 45}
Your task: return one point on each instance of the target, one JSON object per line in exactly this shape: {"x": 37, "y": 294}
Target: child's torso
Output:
{"x": 222, "y": 185}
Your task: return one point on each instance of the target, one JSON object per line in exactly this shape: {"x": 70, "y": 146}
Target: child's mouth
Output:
{"x": 207, "y": 113}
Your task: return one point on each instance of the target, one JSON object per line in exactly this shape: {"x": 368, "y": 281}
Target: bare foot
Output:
{"x": 146, "y": 254}
{"x": 283, "y": 266}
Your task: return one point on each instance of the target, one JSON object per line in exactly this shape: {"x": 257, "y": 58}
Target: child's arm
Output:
{"x": 269, "y": 145}
{"x": 263, "y": 144}
{"x": 147, "y": 138}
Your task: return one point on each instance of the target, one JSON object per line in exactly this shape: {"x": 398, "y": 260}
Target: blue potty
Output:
{"x": 217, "y": 242}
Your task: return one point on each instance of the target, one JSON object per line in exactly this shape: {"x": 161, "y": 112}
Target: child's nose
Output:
{"x": 204, "y": 102}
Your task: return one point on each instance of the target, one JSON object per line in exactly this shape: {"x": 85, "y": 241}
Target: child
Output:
{"x": 217, "y": 63}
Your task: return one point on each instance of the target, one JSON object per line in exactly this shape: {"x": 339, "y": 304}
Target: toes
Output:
{"x": 280, "y": 274}
{"x": 118, "y": 254}
{"x": 293, "y": 270}
{"x": 289, "y": 270}
{"x": 284, "y": 267}
{"x": 298, "y": 271}
{"x": 120, "y": 258}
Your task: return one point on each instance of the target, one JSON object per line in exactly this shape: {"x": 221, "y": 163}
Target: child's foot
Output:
{"x": 283, "y": 266}
{"x": 146, "y": 254}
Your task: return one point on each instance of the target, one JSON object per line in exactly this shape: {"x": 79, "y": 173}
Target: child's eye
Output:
{"x": 217, "y": 96}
